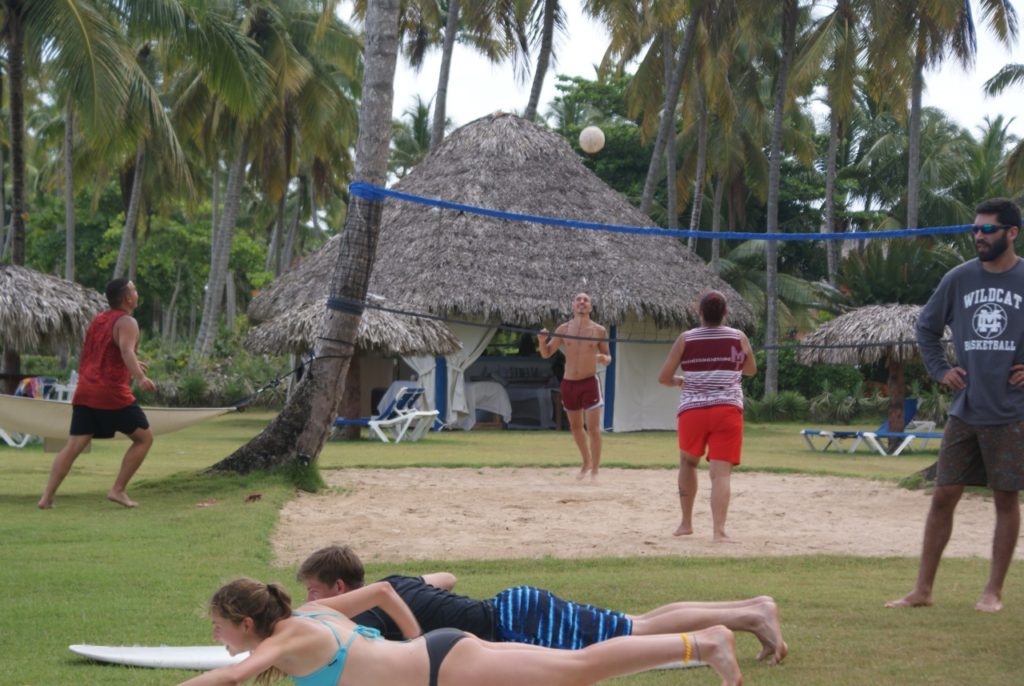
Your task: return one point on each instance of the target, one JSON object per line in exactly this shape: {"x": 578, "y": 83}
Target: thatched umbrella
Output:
{"x": 296, "y": 329}
{"x": 43, "y": 312}
{"x": 39, "y": 311}
{"x": 865, "y": 336}
{"x": 448, "y": 262}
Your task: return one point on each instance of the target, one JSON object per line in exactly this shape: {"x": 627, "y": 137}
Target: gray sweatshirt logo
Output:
{"x": 989, "y": 321}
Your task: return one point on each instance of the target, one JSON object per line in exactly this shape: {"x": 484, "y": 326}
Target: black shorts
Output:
{"x": 86, "y": 421}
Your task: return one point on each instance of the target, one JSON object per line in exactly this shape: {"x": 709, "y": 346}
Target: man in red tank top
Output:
{"x": 103, "y": 401}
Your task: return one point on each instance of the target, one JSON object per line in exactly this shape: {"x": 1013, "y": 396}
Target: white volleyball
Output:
{"x": 591, "y": 139}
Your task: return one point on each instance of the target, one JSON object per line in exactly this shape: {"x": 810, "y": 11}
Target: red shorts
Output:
{"x": 581, "y": 394}
{"x": 718, "y": 428}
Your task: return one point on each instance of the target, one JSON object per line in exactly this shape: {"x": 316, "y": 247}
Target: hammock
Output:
{"x": 52, "y": 418}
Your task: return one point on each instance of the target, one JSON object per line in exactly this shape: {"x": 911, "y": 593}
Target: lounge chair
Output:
{"x": 397, "y": 419}
{"x": 836, "y": 436}
{"x": 913, "y": 431}
{"x": 15, "y": 439}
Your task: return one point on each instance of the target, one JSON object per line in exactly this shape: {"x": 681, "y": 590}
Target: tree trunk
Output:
{"x": 313, "y": 209}
{"x": 167, "y": 339}
{"x": 771, "y": 333}
{"x": 289, "y": 242}
{"x": 16, "y": 232}
{"x": 5, "y": 234}
{"x": 702, "y": 162}
{"x": 451, "y": 28}
{"x": 273, "y": 261}
{"x": 69, "y": 193}
{"x": 16, "y": 69}
{"x": 133, "y": 253}
{"x": 668, "y": 114}
{"x": 914, "y": 139}
{"x": 831, "y": 253}
{"x": 351, "y": 401}
{"x": 716, "y": 222}
{"x": 296, "y": 436}
{"x": 897, "y": 392}
{"x": 543, "y": 58}
{"x": 671, "y": 194}
{"x": 230, "y": 301}
{"x": 214, "y": 199}
{"x": 131, "y": 217}
{"x": 220, "y": 252}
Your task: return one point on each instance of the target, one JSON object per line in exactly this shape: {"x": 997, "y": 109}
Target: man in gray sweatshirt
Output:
{"x": 983, "y": 443}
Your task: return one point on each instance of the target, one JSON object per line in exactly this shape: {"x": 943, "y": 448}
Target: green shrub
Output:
{"x": 777, "y": 407}
{"x": 808, "y": 381}
{"x": 192, "y": 390}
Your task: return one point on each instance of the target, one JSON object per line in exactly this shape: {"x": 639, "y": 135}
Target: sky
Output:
{"x": 478, "y": 88}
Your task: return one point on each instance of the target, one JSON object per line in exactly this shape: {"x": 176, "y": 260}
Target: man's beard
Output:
{"x": 996, "y": 249}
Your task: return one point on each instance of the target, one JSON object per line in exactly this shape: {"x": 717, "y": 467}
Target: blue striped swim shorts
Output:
{"x": 526, "y": 614}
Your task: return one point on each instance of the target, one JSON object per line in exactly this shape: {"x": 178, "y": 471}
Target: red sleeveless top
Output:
{"x": 104, "y": 382}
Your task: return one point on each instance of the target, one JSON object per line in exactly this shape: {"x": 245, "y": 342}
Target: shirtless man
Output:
{"x": 586, "y": 344}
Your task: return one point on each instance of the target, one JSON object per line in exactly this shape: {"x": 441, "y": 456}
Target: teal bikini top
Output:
{"x": 329, "y": 674}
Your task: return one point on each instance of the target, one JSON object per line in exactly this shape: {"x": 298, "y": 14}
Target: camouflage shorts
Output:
{"x": 975, "y": 455}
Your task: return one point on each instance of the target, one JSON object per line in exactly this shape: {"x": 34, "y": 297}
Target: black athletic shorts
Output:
{"x": 86, "y": 421}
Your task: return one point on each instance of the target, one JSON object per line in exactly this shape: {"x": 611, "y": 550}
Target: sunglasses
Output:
{"x": 989, "y": 228}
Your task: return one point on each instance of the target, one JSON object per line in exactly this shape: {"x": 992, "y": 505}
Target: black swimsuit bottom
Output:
{"x": 439, "y": 644}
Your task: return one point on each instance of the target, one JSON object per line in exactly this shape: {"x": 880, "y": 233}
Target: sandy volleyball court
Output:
{"x": 391, "y": 515}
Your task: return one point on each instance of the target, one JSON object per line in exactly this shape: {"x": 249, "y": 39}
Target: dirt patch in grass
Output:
{"x": 484, "y": 514}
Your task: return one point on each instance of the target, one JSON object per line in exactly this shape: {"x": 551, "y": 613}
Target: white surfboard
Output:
{"x": 206, "y": 657}
{"x": 166, "y": 657}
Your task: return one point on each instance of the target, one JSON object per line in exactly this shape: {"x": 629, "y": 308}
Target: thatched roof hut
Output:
{"x": 40, "y": 312}
{"x": 448, "y": 262}
{"x": 468, "y": 266}
{"x": 867, "y": 335}
{"x": 296, "y": 329}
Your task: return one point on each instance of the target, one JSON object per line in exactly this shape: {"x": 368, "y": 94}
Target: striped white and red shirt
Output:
{"x": 712, "y": 362}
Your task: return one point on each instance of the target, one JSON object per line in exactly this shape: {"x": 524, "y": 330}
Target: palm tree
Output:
{"x": 668, "y": 112}
{"x": 297, "y": 434}
{"x": 800, "y": 300}
{"x": 932, "y": 31}
{"x": 836, "y": 43}
{"x": 549, "y": 17}
{"x": 86, "y": 63}
{"x": 308, "y": 126}
{"x": 410, "y": 138}
{"x": 494, "y": 28}
{"x": 790, "y": 17}
{"x": 1010, "y": 76}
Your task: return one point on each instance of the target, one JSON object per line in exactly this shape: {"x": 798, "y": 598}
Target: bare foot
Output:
{"x": 912, "y": 599}
{"x": 121, "y": 499}
{"x": 722, "y": 538}
{"x": 774, "y": 649}
{"x": 45, "y": 504}
{"x": 716, "y": 647}
{"x": 989, "y": 602}
{"x": 582, "y": 473}
{"x": 683, "y": 530}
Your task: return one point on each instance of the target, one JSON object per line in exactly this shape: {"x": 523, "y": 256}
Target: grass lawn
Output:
{"x": 90, "y": 572}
